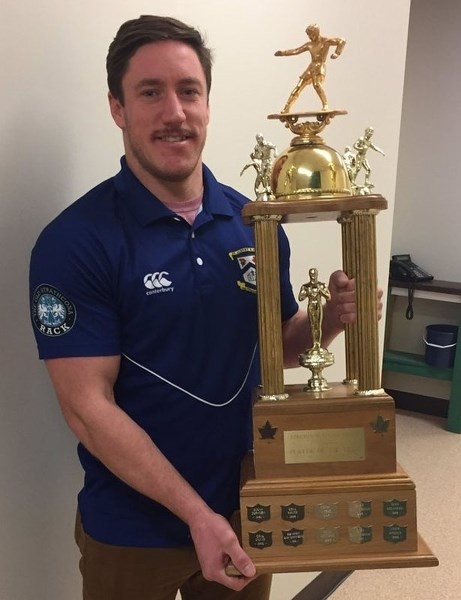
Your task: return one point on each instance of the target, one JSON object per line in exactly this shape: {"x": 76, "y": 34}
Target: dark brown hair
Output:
{"x": 146, "y": 30}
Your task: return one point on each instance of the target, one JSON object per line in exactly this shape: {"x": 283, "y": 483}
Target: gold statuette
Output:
{"x": 315, "y": 358}
{"x": 262, "y": 160}
{"x": 309, "y": 169}
{"x": 318, "y": 47}
{"x": 355, "y": 163}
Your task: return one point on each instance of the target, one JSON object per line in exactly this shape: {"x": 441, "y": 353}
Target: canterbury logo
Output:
{"x": 158, "y": 280}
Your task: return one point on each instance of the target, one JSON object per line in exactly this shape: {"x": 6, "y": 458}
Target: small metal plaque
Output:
{"x": 359, "y": 509}
{"x": 293, "y": 537}
{"x": 260, "y": 539}
{"x": 258, "y": 513}
{"x": 326, "y": 510}
{"x": 395, "y": 533}
{"x": 395, "y": 508}
{"x": 360, "y": 535}
{"x": 293, "y": 512}
{"x": 324, "y": 445}
{"x": 327, "y": 535}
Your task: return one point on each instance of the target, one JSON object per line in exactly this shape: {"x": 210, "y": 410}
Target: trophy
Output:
{"x": 322, "y": 489}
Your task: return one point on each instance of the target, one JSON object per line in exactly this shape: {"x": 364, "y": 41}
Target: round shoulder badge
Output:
{"x": 52, "y": 313}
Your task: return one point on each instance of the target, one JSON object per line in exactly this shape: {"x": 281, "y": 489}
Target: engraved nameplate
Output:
{"x": 360, "y": 535}
{"x": 395, "y": 508}
{"x": 293, "y": 512}
{"x": 359, "y": 509}
{"x": 327, "y": 535}
{"x": 324, "y": 445}
{"x": 293, "y": 537}
{"x": 395, "y": 533}
{"x": 326, "y": 510}
{"x": 258, "y": 513}
{"x": 260, "y": 539}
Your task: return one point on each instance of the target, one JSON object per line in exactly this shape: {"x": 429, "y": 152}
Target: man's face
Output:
{"x": 165, "y": 112}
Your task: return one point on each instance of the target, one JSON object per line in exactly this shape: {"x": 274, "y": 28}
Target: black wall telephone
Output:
{"x": 403, "y": 269}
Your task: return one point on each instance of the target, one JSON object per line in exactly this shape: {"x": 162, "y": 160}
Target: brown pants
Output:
{"x": 124, "y": 573}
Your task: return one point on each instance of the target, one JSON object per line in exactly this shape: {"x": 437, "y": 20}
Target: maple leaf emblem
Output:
{"x": 267, "y": 432}
{"x": 381, "y": 425}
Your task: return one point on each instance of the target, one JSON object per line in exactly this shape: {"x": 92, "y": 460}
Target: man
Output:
{"x": 314, "y": 75}
{"x": 153, "y": 349}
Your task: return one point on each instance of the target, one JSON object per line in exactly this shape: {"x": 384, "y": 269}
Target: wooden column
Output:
{"x": 362, "y": 345}
{"x": 269, "y": 311}
{"x": 350, "y": 268}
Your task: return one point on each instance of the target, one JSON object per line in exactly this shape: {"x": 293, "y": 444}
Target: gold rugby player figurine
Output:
{"x": 314, "y": 75}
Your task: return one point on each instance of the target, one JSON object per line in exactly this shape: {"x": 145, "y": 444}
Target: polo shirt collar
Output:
{"x": 147, "y": 208}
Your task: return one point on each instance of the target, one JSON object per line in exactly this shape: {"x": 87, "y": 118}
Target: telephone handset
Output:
{"x": 403, "y": 269}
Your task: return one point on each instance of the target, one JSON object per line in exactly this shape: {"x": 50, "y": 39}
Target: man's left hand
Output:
{"x": 341, "y": 309}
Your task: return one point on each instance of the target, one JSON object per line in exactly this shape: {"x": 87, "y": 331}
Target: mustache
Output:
{"x": 173, "y": 131}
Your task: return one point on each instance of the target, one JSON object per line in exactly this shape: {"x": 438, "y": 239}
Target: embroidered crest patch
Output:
{"x": 52, "y": 313}
{"x": 246, "y": 260}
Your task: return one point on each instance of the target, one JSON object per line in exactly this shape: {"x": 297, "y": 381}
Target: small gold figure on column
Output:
{"x": 315, "y": 358}
{"x": 262, "y": 159}
{"x": 358, "y": 162}
{"x": 314, "y": 75}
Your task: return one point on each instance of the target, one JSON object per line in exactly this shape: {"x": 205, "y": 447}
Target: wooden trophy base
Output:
{"x": 330, "y": 523}
{"x": 334, "y": 432}
{"x": 322, "y": 489}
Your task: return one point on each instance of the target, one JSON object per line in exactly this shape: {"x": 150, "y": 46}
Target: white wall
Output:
{"x": 428, "y": 203}
{"x": 57, "y": 140}
{"x": 427, "y": 213}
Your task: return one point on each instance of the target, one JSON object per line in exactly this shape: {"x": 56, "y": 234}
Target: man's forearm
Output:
{"x": 296, "y": 335}
{"x": 84, "y": 387}
{"x": 128, "y": 452}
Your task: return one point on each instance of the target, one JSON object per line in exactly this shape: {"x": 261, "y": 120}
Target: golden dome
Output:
{"x": 309, "y": 169}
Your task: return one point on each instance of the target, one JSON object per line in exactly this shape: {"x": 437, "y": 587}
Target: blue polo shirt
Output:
{"x": 118, "y": 273}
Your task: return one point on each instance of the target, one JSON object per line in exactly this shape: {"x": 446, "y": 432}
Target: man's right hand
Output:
{"x": 217, "y": 545}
